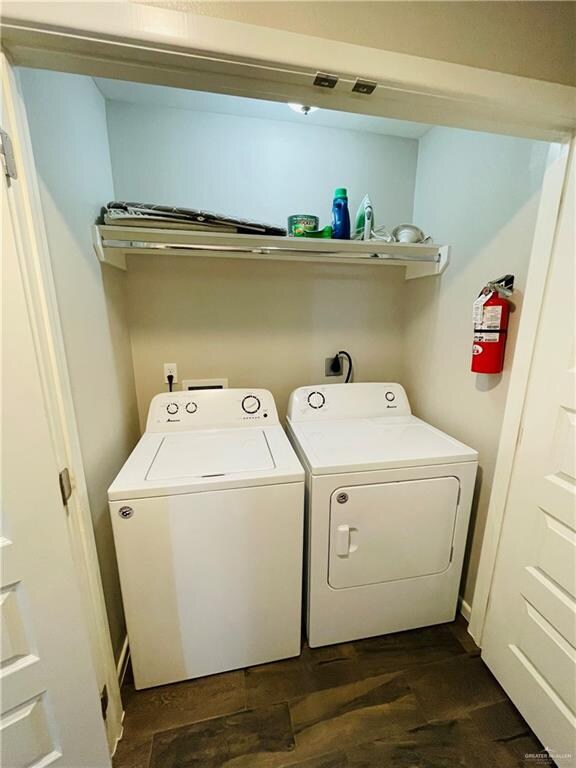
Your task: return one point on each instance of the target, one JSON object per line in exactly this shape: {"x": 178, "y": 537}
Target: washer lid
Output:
{"x": 356, "y": 445}
{"x": 211, "y": 454}
{"x": 195, "y": 461}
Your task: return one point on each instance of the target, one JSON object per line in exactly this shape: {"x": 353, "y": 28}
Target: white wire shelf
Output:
{"x": 113, "y": 243}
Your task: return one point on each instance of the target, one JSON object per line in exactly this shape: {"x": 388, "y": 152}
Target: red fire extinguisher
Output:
{"x": 491, "y": 313}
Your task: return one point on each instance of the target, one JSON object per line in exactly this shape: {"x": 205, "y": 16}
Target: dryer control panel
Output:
{"x": 348, "y": 401}
{"x": 216, "y": 408}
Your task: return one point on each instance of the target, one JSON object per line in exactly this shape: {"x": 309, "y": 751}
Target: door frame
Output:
{"x": 45, "y": 322}
{"x": 167, "y": 47}
{"x": 155, "y": 45}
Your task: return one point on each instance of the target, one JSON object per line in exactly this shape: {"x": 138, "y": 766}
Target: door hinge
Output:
{"x": 520, "y": 435}
{"x": 104, "y": 702}
{"x": 65, "y": 485}
{"x": 7, "y": 155}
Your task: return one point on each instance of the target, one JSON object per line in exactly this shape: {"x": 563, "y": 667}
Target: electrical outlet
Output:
{"x": 328, "y": 367}
{"x": 170, "y": 368}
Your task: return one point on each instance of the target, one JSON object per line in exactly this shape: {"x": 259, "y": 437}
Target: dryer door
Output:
{"x": 391, "y": 531}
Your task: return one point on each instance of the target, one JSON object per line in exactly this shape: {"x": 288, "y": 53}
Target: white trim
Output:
{"x": 157, "y": 45}
{"x": 45, "y": 321}
{"x": 464, "y": 608}
{"x": 123, "y": 660}
{"x": 546, "y": 222}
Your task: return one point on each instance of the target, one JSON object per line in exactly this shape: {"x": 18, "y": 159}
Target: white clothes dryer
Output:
{"x": 388, "y": 502}
{"x": 207, "y": 516}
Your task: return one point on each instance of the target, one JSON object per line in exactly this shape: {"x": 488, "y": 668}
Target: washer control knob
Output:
{"x": 250, "y": 404}
{"x": 191, "y": 407}
{"x": 390, "y": 396}
{"x": 316, "y": 400}
{"x": 172, "y": 408}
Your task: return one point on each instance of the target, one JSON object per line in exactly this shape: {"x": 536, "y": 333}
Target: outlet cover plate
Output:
{"x": 171, "y": 368}
{"x": 327, "y": 369}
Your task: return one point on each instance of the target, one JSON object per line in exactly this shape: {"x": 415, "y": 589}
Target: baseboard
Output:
{"x": 123, "y": 661}
{"x": 465, "y": 608}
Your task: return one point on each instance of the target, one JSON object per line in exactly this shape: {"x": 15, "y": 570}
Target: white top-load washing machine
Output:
{"x": 208, "y": 517}
{"x": 388, "y": 505}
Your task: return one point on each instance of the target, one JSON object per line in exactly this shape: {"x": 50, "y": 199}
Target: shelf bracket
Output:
{"x": 115, "y": 257}
{"x": 426, "y": 270}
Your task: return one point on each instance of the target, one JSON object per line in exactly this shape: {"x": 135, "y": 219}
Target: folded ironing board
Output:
{"x": 149, "y": 214}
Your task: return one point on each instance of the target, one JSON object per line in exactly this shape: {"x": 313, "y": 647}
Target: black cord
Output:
{"x": 170, "y": 380}
{"x": 349, "y": 360}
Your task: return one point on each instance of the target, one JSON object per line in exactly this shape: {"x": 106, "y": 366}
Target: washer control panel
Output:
{"x": 204, "y": 409}
{"x": 251, "y": 404}
{"x": 316, "y": 399}
{"x": 343, "y": 401}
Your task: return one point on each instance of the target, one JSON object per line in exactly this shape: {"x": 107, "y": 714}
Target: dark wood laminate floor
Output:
{"x": 419, "y": 699}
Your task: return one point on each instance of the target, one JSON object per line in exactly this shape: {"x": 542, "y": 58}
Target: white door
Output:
{"x": 529, "y": 640}
{"x": 50, "y": 709}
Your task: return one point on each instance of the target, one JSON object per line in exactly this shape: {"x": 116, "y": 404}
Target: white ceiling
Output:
{"x": 177, "y": 98}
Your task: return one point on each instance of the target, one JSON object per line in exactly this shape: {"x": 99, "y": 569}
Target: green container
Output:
{"x": 320, "y": 233}
{"x": 301, "y": 223}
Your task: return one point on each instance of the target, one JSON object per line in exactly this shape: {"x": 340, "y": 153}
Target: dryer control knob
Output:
{"x": 250, "y": 404}
{"x": 172, "y": 408}
{"x": 316, "y": 400}
{"x": 191, "y": 407}
{"x": 390, "y": 396}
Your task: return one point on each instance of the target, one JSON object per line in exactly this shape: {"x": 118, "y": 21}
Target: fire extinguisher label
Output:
{"x": 486, "y": 337}
{"x": 476, "y": 349}
{"x": 478, "y": 308}
{"x": 492, "y": 318}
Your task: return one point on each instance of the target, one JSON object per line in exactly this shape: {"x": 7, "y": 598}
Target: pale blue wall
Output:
{"x": 250, "y": 167}
{"x": 478, "y": 192}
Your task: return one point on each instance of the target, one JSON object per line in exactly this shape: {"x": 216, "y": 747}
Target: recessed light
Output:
{"x": 302, "y": 109}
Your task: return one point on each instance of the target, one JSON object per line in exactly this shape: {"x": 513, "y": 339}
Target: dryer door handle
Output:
{"x": 342, "y": 540}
